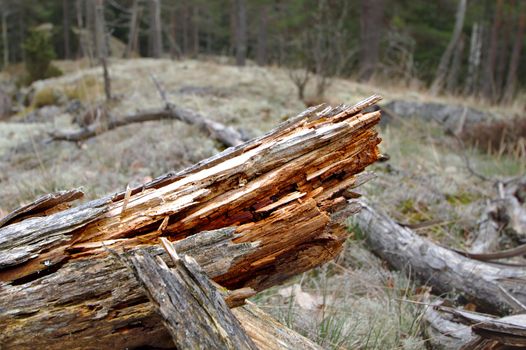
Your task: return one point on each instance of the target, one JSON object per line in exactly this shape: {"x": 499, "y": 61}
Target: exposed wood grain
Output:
{"x": 192, "y": 309}
{"x": 70, "y": 284}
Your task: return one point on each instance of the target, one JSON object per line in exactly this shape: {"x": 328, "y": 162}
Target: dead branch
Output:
{"x": 226, "y": 135}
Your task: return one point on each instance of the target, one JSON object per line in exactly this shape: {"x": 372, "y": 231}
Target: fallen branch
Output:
{"x": 280, "y": 194}
{"x": 496, "y": 287}
{"x": 226, "y": 135}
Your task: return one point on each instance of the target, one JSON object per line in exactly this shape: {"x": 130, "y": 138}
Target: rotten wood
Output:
{"x": 499, "y": 288}
{"x": 319, "y": 153}
{"x": 192, "y": 309}
{"x": 226, "y": 135}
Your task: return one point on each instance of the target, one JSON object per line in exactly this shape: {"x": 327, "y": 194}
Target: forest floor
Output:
{"x": 353, "y": 302}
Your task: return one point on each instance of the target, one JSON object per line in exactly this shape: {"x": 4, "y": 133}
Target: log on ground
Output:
{"x": 280, "y": 193}
{"x": 494, "y": 287}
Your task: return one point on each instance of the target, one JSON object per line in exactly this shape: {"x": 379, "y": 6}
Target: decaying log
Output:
{"x": 226, "y": 135}
{"x": 192, "y": 309}
{"x": 496, "y": 287}
{"x": 279, "y": 194}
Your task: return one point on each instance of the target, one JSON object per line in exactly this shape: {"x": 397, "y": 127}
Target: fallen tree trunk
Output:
{"x": 226, "y": 135}
{"x": 498, "y": 288}
{"x": 280, "y": 194}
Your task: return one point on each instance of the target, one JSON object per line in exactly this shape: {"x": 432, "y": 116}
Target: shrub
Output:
{"x": 45, "y": 97}
{"x": 39, "y": 54}
{"x": 498, "y": 136}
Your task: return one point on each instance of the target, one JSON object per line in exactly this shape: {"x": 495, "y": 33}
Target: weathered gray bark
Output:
{"x": 100, "y": 31}
{"x": 207, "y": 322}
{"x": 496, "y": 287}
{"x": 443, "y": 66}
{"x": 226, "y": 135}
{"x": 62, "y": 286}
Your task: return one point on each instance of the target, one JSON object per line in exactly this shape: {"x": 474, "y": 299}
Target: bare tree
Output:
{"x": 195, "y": 30}
{"x": 371, "y": 19}
{"x": 511, "y": 81}
{"x": 66, "y": 28}
{"x": 489, "y": 89}
{"x": 454, "y": 71}
{"x": 261, "y": 48}
{"x": 133, "y": 31}
{"x": 5, "y": 38}
{"x": 475, "y": 51}
{"x": 155, "y": 38}
{"x": 445, "y": 60}
{"x": 241, "y": 31}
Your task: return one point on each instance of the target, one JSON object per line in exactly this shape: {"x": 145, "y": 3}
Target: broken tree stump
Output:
{"x": 279, "y": 196}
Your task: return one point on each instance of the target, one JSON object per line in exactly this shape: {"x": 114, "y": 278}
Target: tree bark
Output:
{"x": 371, "y": 28}
{"x": 155, "y": 38}
{"x": 511, "y": 81}
{"x": 499, "y": 288}
{"x": 186, "y": 287}
{"x": 445, "y": 60}
{"x": 475, "y": 52}
{"x": 271, "y": 203}
{"x": 241, "y": 31}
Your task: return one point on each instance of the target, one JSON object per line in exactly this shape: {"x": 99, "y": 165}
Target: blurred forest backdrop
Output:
{"x": 453, "y": 46}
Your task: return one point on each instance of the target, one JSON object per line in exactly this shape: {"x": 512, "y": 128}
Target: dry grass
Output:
{"x": 364, "y": 305}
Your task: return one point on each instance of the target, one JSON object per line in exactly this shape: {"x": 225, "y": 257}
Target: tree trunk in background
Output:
{"x": 155, "y": 38}
{"x": 174, "y": 49}
{"x": 241, "y": 31}
{"x": 5, "y": 39}
{"x": 261, "y": 50}
{"x": 185, "y": 29}
{"x": 195, "y": 31}
{"x": 488, "y": 88}
{"x": 511, "y": 81}
{"x": 445, "y": 60}
{"x": 133, "y": 31}
{"x": 454, "y": 72}
{"x": 371, "y": 19}
{"x": 66, "y": 25}
{"x": 90, "y": 30}
{"x": 100, "y": 31}
{"x": 505, "y": 43}
{"x": 475, "y": 51}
